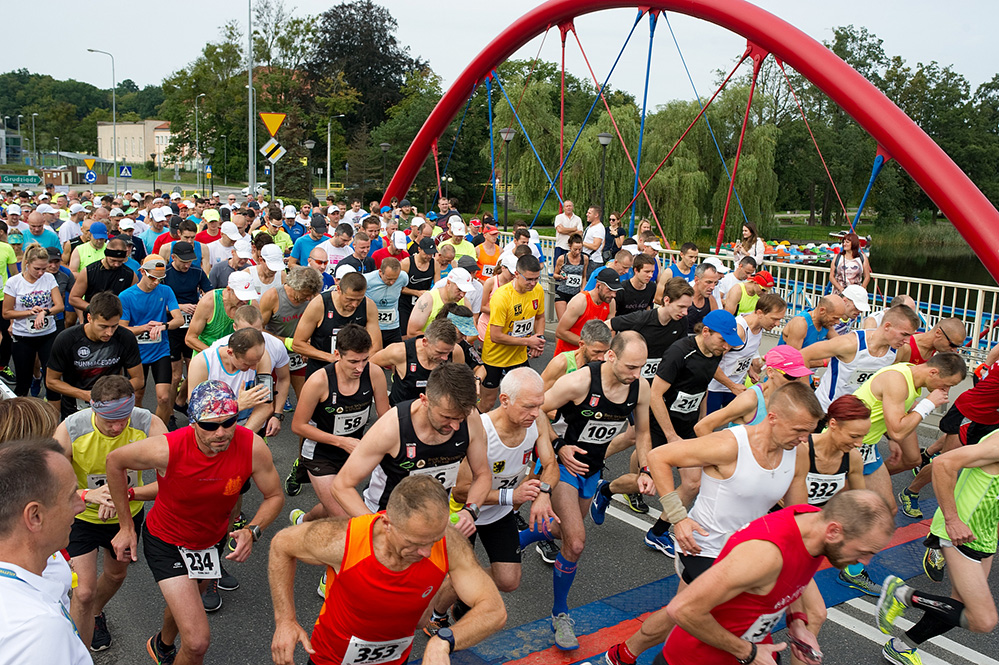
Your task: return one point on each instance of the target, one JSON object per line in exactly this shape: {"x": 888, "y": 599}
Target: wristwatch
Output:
{"x": 279, "y": 416}
{"x": 254, "y": 531}
{"x": 447, "y": 635}
{"x": 546, "y": 489}
{"x": 473, "y": 510}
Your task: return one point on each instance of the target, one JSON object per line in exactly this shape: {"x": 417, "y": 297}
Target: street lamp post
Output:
{"x": 329, "y": 134}
{"x": 197, "y": 146}
{"x": 19, "y": 139}
{"x": 225, "y": 161}
{"x": 57, "y": 151}
{"x": 114, "y": 120}
{"x": 211, "y": 162}
{"x": 251, "y": 155}
{"x": 447, "y": 181}
{"x": 507, "y": 133}
{"x": 156, "y": 171}
{"x": 34, "y": 144}
{"x": 605, "y": 140}
{"x": 384, "y": 147}
{"x": 309, "y": 145}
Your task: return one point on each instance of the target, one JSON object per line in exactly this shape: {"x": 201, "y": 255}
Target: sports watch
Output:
{"x": 448, "y": 636}
{"x": 254, "y": 531}
{"x": 473, "y": 510}
{"x": 546, "y": 489}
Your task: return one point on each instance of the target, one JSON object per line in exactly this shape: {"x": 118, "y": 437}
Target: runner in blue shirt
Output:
{"x": 384, "y": 289}
{"x": 304, "y": 245}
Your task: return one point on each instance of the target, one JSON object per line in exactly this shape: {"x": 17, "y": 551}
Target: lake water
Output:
{"x": 950, "y": 267}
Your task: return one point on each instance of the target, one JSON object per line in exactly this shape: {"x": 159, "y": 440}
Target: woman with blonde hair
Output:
{"x": 27, "y": 418}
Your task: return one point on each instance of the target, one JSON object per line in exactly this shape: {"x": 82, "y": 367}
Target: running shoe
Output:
{"x": 522, "y": 524}
{"x": 565, "y": 635}
{"x": 36, "y": 386}
{"x": 172, "y": 424}
{"x": 637, "y": 503}
{"x": 613, "y": 656}
{"x": 934, "y": 564}
{"x": 436, "y": 624}
{"x": 889, "y": 607}
{"x": 321, "y": 590}
{"x": 237, "y": 524}
{"x": 296, "y": 516}
{"x": 102, "y": 638}
{"x": 211, "y": 598}
{"x": 548, "y": 550}
{"x": 291, "y": 485}
{"x": 227, "y": 582}
{"x": 860, "y": 581}
{"x": 910, "y": 504}
{"x": 663, "y": 543}
{"x": 160, "y": 657}
{"x": 598, "y": 507}
{"x": 904, "y": 656}
{"x": 288, "y": 406}
{"x": 7, "y": 376}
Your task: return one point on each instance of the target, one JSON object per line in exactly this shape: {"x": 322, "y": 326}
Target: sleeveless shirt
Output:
{"x": 824, "y": 486}
{"x": 594, "y": 423}
{"x": 592, "y": 311}
{"x": 414, "y": 384}
{"x": 340, "y": 414}
{"x": 324, "y": 336}
{"x": 843, "y": 378}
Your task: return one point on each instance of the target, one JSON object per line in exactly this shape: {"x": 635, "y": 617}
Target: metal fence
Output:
{"x": 801, "y": 285}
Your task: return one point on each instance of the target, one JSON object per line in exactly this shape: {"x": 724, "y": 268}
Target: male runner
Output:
{"x": 87, "y": 437}
{"x": 213, "y": 316}
{"x": 423, "y": 274}
{"x": 281, "y": 309}
{"x": 200, "y": 470}
{"x": 744, "y": 270}
{"x": 221, "y": 250}
{"x": 662, "y": 326}
{"x": 516, "y": 328}
{"x": 706, "y": 277}
{"x": 685, "y": 266}
{"x": 741, "y": 299}
{"x": 412, "y": 361}
{"x": 359, "y": 259}
{"x": 638, "y": 292}
{"x": 325, "y": 316}
{"x": 108, "y": 274}
{"x": 874, "y": 320}
{"x": 385, "y": 289}
{"x": 946, "y": 336}
{"x": 92, "y": 251}
{"x": 452, "y": 288}
{"x": 594, "y": 340}
{"x": 813, "y": 326}
{"x": 597, "y": 303}
{"x": 189, "y": 286}
{"x": 242, "y": 251}
{"x": 393, "y": 561}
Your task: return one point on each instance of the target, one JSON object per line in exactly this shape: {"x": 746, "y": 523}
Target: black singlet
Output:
{"x": 824, "y": 486}
{"x": 414, "y": 383}
{"x": 344, "y": 415}
{"x": 324, "y": 336}
{"x": 100, "y": 279}
{"x": 419, "y": 280}
{"x": 594, "y": 423}
{"x": 696, "y": 314}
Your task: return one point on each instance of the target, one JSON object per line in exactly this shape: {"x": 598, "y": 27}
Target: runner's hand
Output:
{"x": 683, "y": 531}
{"x": 896, "y": 453}
{"x": 273, "y": 426}
{"x": 801, "y": 634}
{"x": 939, "y": 396}
{"x": 765, "y": 653}
{"x": 286, "y": 636}
{"x": 567, "y": 456}
{"x": 738, "y": 389}
{"x": 104, "y": 513}
{"x": 125, "y": 545}
{"x": 957, "y": 531}
{"x": 244, "y": 545}
{"x": 646, "y": 485}
{"x": 536, "y": 343}
{"x": 526, "y": 491}
{"x": 465, "y": 523}
{"x": 251, "y": 397}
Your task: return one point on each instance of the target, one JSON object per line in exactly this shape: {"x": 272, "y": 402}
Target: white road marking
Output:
{"x": 873, "y": 634}
{"x": 944, "y": 643}
{"x": 628, "y": 517}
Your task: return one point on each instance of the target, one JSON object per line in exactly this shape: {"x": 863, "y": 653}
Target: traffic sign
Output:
{"x": 90, "y": 163}
{"x": 273, "y": 151}
{"x": 15, "y": 179}
{"x": 208, "y": 176}
{"x": 267, "y": 169}
{"x": 90, "y": 177}
{"x": 208, "y": 168}
{"x": 125, "y": 172}
{"x": 272, "y": 121}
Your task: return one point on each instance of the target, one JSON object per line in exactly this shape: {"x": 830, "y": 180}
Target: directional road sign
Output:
{"x": 90, "y": 177}
{"x": 272, "y": 121}
{"x": 125, "y": 172}
{"x": 15, "y": 179}
{"x": 267, "y": 169}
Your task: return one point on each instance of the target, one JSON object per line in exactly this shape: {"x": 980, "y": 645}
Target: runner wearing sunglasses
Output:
{"x": 200, "y": 469}
{"x": 947, "y": 335}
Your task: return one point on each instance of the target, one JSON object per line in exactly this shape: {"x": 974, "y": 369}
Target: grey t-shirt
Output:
{"x": 219, "y": 275}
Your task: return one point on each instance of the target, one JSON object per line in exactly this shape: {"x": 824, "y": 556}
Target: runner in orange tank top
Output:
{"x": 585, "y": 306}
{"x": 384, "y": 570}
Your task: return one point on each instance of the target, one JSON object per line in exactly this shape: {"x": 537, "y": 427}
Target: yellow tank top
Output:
{"x": 438, "y": 305}
{"x": 864, "y": 394}
{"x": 88, "y": 255}
{"x": 90, "y": 452}
{"x": 747, "y": 303}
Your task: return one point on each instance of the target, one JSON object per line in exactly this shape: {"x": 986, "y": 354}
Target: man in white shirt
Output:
{"x": 338, "y": 247}
{"x": 71, "y": 227}
{"x": 744, "y": 270}
{"x": 221, "y": 250}
{"x": 566, "y": 223}
{"x": 40, "y": 492}
{"x": 355, "y": 214}
{"x": 593, "y": 238}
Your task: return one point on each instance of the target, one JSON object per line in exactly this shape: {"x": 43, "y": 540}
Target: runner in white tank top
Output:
{"x": 842, "y": 378}
{"x": 735, "y": 364}
{"x": 509, "y": 466}
{"x": 217, "y": 372}
{"x": 258, "y": 283}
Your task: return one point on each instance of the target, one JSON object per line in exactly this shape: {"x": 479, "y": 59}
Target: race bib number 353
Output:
{"x": 362, "y": 652}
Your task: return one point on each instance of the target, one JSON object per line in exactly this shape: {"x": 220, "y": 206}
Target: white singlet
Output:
{"x": 735, "y": 363}
{"x": 509, "y": 465}
{"x": 844, "y": 378}
{"x": 217, "y": 253}
{"x": 259, "y": 285}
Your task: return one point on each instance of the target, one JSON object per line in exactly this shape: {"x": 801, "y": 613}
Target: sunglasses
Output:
{"x": 211, "y": 427}
{"x": 786, "y": 375}
{"x": 949, "y": 341}
{"x": 322, "y": 263}
{"x": 613, "y": 219}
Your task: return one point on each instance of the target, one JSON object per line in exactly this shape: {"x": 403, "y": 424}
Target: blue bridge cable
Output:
{"x": 454, "y": 142}
{"x": 708, "y": 122}
{"x": 526, "y": 136}
{"x": 596, "y": 99}
{"x": 641, "y": 128}
{"x": 879, "y": 162}
{"x": 492, "y": 149}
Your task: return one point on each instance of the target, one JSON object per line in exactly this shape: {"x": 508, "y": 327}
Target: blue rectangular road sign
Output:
{"x": 125, "y": 172}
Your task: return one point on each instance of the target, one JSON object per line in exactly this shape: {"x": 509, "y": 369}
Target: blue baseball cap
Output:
{"x": 386, "y": 208}
{"x": 723, "y": 323}
{"x": 99, "y": 230}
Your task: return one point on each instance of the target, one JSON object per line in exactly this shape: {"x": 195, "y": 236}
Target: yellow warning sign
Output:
{"x": 90, "y": 164}
{"x": 272, "y": 121}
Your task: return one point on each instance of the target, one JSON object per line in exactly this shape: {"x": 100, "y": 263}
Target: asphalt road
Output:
{"x": 618, "y": 578}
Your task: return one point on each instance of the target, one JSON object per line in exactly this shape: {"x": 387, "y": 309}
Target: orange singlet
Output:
{"x": 487, "y": 262}
{"x": 371, "y": 613}
{"x": 592, "y": 311}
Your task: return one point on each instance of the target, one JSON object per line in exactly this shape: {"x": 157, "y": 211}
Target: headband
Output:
{"x": 115, "y": 409}
{"x": 116, "y": 253}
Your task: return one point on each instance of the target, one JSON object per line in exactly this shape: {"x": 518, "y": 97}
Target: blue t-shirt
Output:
{"x": 134, "y": 266}
{"x": 303, "y": 247}
{"x": 296, "y": 230}
{"x": 386, "y": 298}
{"x": 328, "y": 282}
{"x": 148, "y": 238}
{"x": 376, "y": 244}
{"x": 185, "y": 285}
{"x": 49, "y": 238}
{"x": 139, "y": 307}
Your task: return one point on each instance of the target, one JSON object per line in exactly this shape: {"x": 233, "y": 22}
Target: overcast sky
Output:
{"x": 447, "y": 33}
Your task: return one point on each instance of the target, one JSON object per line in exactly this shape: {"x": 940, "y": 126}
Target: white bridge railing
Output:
{"x": 801, "y": 285}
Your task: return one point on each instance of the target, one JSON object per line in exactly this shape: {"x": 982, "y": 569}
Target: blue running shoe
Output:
{"x": 663, "y": 543}
{"x": 598, "y": 507}
{"x": 36, "y": 386}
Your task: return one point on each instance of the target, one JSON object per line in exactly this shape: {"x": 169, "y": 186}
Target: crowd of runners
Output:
{"x": 403, "y": 350}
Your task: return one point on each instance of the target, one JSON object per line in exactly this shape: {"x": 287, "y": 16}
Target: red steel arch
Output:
{"x": 943, "y": 181}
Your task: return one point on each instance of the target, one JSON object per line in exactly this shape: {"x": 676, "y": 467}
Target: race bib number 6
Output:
{"x": 445, "y": 475}
{"x": 362, "y": 652}
{"x": 202, "y": 564}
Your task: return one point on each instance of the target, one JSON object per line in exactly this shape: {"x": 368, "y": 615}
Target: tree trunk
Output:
{"x": 826, "y": 206}
{"x": 811, "y": 204}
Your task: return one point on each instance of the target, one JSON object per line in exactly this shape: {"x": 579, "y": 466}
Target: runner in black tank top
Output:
{"x": 419, "y": 280}
{"x": 824, "y": 486}
{"x": 324, "y": 336}
{"x": 100, "y": 279}
{"x": 414, "y": 383}
{"x": 342, "y": 415}
{"x": 594, "y": 423}
{"x": 415, "y": 457}
{"x": 696, "y": 314}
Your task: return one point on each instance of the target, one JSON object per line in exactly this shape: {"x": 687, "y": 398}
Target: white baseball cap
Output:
{"x": 188, "y": 205}
{"x": 45, "y": 208}
{"x": 462, "y": 278}
{"x": 126, "y": 224}
{"x": 290, "y": 212}
{"x": 117, "y": 212}
{"x": 239, "y": 282}
{"x": 509, "y": 261}
{"x": 160, "y": 214}
{"x": 343, "y": 269}
{"x": 43, "y": 195}
{"x": 231, "y": 231}
{"x": 400, "y": 240}
{"x": 175, "y": 196}
{"x": 717, "y": 263}
{"x": 76, "y": 208}
{"x": 858, "y": 296}
{"x": 457, "y": 227}
{"x": 243, "y": 248}
{"x": 273, "y": 257}
{"x": 13, "y": 209}
{"x": 216, "y": 195}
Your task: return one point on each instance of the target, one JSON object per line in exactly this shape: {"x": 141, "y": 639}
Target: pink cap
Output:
{"x": 788, "y": 360}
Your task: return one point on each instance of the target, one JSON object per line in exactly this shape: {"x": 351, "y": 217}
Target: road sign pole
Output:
{"x": 273, "y": 194}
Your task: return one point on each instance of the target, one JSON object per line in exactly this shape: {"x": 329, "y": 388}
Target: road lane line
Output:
{"x": 627, "y": 516}
{"x": 857, "y": 626}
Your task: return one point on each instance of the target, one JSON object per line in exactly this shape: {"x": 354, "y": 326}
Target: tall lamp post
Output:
{"x": 34, "y": 144}
{"x": 507, "y": 133}
{"x": 197, "y": 145}
{"x": 225, "y": 161}
{"x": 309, "y": 145}
{"x": 211, "y": 161}
{"x": 114, "y": 119}
{"x": 156, "y": 170}
{"x": 251, "y": 155}
{"x": 19, "y": 139}
{"x": 57, "y": 151}
{"x": 384, "y": 147}
{"x": 447, "y": 180}
{"x": 605, "y": 140}
{"x": 329, "y": 135}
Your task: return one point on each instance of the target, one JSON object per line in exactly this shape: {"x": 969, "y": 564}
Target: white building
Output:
{"x": 137, "y": 141}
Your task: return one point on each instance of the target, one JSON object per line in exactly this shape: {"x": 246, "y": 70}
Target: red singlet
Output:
{"x": 371, "y": 612}
{"x": 592, "y": 311}
{"x": 981, "y": 403}
{"x": 751, "y": 616}
{"x": 198, "y": 492}
{"x": 916, "y": 358}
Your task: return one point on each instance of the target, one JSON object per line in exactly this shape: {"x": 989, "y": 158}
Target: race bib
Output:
{"x": 860, "y": 377}
{"x": 869, "y": 454}
{"x": 46, "y": 323}
{"x": 96, "y": 480}
{"x": 686, "y": 403}
{"x": 522, "y": 328}
{"x": 573, "y": 281}
{"x": 202, "y": 564}
{"x": 600, "y": 432}
{"x": 650, "y": 368}
{"x": 509, "y": 481}
{"x": 348, "y": 423}
{"x": 333, "y": 340}
{"x": 762, "y": 627}
{"x": 187, "y": 319}
{"x": 361, "y": 652}
{"x": 445, "y": 474}
{"x": 822, "y": 486}
{"x": 146, "y": 338}
{"x": 296, "y": 361}
{"x": 743, "y": 365}
{"x": 488, "y": 270}
{"x": 388, "y": 316}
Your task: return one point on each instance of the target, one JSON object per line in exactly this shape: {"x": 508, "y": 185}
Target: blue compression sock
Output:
{"x": 855, "y": 569}
{"x": 528, "y": 536}
{"x": 565, "y": 573}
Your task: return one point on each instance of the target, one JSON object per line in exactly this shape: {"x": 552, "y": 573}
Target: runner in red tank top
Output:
{"x": 946, "y": 336}
{"x": 726, "y": 615}
{"x": 201, "y": 470}
{"x": 394, "y": 562}
{"x": 585, "y": 306}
